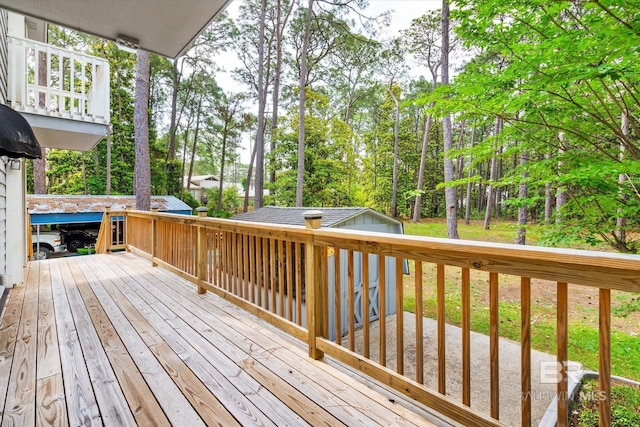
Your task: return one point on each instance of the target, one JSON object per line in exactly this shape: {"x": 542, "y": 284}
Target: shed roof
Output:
{"x": 332, "y": 217}
{"x": 63, "y": 204}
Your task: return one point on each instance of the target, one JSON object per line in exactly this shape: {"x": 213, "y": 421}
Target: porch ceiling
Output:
{"x": 165, "y": 27}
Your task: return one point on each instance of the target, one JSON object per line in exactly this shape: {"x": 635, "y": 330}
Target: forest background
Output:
{"x": 538, "y": 122}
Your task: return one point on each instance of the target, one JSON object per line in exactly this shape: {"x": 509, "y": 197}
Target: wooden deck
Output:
{"x": 111, "y": 340}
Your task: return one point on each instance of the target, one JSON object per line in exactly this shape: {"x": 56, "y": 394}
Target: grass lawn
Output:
{"x": 625, "y": 405}
{"x": 583, "y": 306}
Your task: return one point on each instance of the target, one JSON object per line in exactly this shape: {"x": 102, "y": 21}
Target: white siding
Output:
{"x": 3, "y": 56}
{"x": 3, "y": 174}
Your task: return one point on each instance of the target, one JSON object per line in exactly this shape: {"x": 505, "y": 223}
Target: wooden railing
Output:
{"x": 282, "y": 274}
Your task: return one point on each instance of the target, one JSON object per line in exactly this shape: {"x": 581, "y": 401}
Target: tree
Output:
{"x": 142, "y": 169}
{"x": 563, "y": 90}
{"x": 301, "y": 104}
{"x": 424, "y": 38}
{"x": 450, "y": 191}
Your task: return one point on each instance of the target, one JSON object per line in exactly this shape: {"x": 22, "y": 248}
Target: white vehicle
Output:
{"x": 45, "y": 243}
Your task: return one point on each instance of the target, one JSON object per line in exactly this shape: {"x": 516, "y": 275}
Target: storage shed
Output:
{"x": 355, "y": 218}
{"x": 62, "y": 209}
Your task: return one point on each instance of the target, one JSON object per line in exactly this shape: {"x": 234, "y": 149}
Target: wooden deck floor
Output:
{"x": 110, "y": 340}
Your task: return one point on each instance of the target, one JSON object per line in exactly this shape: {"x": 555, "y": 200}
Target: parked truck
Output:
{"x": 79, "y": 235}
{"x": 45, "y": 243}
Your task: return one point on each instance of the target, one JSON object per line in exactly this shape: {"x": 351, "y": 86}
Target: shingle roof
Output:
{"x": 293, "y": 216}
{"x": 62, "y": 204}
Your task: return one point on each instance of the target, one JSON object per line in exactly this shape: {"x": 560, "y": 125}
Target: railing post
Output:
{"x": 313, "y": 283}
{"x": 107, "y": 224}
{"x": 201, "y": 250}
{"x": 154, "y": 210}
{"x": 125, "y": 228}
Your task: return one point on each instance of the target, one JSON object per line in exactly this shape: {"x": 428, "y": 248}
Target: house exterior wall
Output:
{"x": 13, "y": 252}
{"x": 3, "y": 170}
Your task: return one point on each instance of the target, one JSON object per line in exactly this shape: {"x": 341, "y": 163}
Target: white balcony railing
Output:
{"x": 48, "y": 80}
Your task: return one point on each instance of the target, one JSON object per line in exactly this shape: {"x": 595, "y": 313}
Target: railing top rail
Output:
{"x": 589, "y": 268}
{"x": 50, "y": 47}
{"x": 288, "y": 232}
{"x": 582, "y": 267}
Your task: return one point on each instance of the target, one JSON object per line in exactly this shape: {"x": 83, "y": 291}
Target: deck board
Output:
{"x": 111, "y": 340}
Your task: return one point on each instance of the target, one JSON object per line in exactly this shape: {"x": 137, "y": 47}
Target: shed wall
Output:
{"x": 373, "y": 223}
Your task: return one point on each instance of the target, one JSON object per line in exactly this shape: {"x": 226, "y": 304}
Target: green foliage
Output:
{"x": 190, "y": 200}
{"x": 330, "y": 161}
{"x": 625, "y": 401}
{"x": 559, "y": 77}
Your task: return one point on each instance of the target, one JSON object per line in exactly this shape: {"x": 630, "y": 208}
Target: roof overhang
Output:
{"x": 165, "y": 27}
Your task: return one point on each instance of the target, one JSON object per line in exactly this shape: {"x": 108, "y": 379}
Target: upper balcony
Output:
{"x": 64, "y": 95}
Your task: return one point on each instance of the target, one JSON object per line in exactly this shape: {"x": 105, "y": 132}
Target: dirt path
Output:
{"x": 510, "y": 394}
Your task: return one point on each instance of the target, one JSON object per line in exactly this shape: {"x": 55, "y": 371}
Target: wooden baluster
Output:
{"x": 252, "y": 269}
{"x": 289, "y": 265}
{"x": 604, "y": 353}
{"x": 325, "y": 289}
{"x": 245, "y": 261}
{"x": 419, "y": 324}
{"x": 494, "y": 349}
{"x": 281, "y": 276}
{"x": 442, "y": 355}
{"x": 466, "y": 337}
{"x": 337, "y": 295}
{"x": 259, "y": 270}
{"x": 365, "y": 305}
{"x": 562, "y": 339}
{"x": 267, "y": 274}
{"x": 382, "y": 308}
{"x": 351, "y": 293}
{"x": 272, "y": 281}
{"x": 399, "y": 318}
{"x": 525, "y": 350}
{"x": 299, "y": 283}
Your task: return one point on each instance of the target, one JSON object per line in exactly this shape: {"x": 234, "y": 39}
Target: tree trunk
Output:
{"x": 423, "y": 161}
{"x": 175, "y": 81}
{"x": 521, "y": 237}
{"x": 196, "y": 134}
{"x": 561, "y": 197}
{"x": 280, "y": 24}
{"x": 107, "y": 189}
{"x": 142, "y": 168}
{"x": 394, "y": 185}
{"x": 245, "y": 208}
{"x": 223, "y": 155}
{"x": 262, "y": 100}
{"x": 467, "y": 205}
{"x": 449, "y": 192}
{"x": 492, "y": 177}
{"x": 301, "y": 106}
{"x": 548, "y": 200}
{"x": 39, "y": 165}
{"x": 621, "y": 221}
